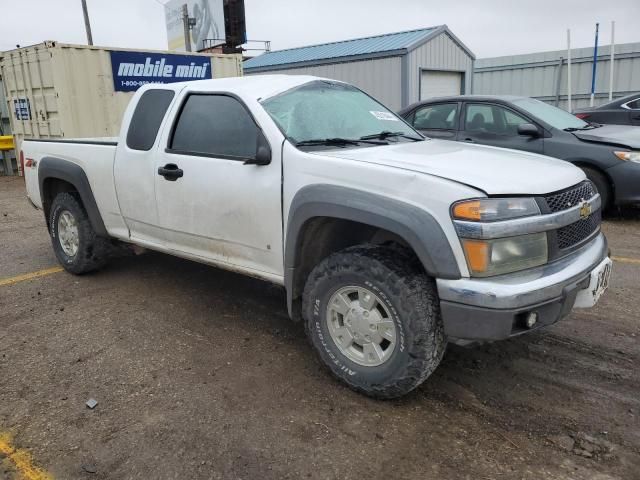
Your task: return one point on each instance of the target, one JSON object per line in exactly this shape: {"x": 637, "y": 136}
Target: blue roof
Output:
{"x": 347, "y": 48}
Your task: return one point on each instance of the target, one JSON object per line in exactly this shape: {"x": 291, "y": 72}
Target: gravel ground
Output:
{"x": 199, "y": 373}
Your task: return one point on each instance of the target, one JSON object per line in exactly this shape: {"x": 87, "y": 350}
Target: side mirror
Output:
{"x": 528, "y": 130}
{"x": 263, "y": 153}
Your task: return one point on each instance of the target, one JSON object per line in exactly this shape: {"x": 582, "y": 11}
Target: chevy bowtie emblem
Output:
{"x": 585, "y": 209}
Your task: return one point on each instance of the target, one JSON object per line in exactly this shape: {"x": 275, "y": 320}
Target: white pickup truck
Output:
{"x": 389, "y": 244}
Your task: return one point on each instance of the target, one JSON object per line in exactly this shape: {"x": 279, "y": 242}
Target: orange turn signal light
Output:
{"x": 469, "y": 210}
{"x": 477, "y": 253}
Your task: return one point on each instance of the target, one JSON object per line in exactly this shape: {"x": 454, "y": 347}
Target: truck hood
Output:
{"x": 624, "y": 135}
{"x": 495, "y": 171}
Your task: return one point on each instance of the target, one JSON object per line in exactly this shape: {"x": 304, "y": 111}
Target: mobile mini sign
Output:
{"x": 131, "y": 70}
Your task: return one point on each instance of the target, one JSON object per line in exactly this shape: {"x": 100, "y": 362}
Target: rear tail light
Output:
{"x": 21, "y": 163}
{"x": 582, "y": 116}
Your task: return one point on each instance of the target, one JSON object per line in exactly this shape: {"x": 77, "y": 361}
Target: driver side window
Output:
{"x": 479, "y": 119}
{"x": 492, "y": 119}
{"x": 215, "y": 125}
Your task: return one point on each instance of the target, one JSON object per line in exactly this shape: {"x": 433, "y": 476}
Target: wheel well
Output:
{"x": 600, "y": 171}
{"x": 51, "y": 187}
{"x": 322, "y": 236}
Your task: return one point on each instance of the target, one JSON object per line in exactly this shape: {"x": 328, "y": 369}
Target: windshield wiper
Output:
{"x": 387, "y": 134}
{"x": 340, "y": 142}
{"x": 590, "y": 126}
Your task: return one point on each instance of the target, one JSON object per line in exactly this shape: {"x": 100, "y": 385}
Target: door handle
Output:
{"x": 469, "y": 140}
{"x": 170, "y": 172}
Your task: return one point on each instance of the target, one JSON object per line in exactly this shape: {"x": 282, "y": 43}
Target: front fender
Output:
{"x": 414, "y": 225}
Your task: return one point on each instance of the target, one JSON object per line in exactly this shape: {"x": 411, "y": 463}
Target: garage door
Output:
{"x": 435, "y": 83}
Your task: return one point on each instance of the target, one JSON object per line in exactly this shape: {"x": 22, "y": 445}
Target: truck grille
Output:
{"x": 571, "y": 197}
{"x": 577, "y": 232}
{"x": 572, "y": 235}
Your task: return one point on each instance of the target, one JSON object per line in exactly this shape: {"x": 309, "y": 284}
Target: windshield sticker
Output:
{"x": 383, "y": 115}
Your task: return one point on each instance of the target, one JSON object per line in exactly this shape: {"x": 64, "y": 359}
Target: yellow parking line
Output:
{"x": 22, "y": 460}
{"x": 29, "y": 276}
{"x": 626, "y": 260}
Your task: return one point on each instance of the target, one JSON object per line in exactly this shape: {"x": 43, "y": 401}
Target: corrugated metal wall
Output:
{"x": 6, "y": 157}
{"x": 5, "y": 127}
{"x": 536, "y": 75}
{"x": 380, "y": 78}
{"x": 440, "y": 53}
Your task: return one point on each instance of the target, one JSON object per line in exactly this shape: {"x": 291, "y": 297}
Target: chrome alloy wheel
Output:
{"x": 361, "y": 326}
{"x": 68, "y": 235}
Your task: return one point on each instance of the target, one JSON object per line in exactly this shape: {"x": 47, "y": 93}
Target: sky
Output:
{"x": 488, "y": 27}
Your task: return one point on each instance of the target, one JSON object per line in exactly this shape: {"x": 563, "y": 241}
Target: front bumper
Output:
{"x": 495, "y": 308}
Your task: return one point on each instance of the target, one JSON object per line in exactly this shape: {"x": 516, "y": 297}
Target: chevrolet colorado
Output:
{"x": 389, "y": 244}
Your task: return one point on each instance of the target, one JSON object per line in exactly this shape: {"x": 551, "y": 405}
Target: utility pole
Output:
{"x": 87, "y": 25}
{"x": 185, "y": 23}
{"x": 595, "y": 64}
{"x": 612, "y": 59}
{"x": 569, "y": 108}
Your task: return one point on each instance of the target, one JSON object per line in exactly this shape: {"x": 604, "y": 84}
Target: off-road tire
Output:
{"x": 602, "y": 186}
{"x": 395, "y": 276}
{"x": 93, "y": 251}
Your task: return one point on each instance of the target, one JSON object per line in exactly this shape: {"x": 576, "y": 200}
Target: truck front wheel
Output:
{"x": 373, "y": 317}
{"x": 75, "y": 243}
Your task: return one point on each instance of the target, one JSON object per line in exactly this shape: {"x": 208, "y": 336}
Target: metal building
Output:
{"x": 397, "y": 68}
{"x": 544, "y": 75}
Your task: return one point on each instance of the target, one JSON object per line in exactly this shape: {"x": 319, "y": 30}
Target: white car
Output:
{"x": 389, "y": 245}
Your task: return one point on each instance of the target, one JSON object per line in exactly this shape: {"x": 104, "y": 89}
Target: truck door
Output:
{"x": 134, "y": 169}
{"x": 211, "y": 204}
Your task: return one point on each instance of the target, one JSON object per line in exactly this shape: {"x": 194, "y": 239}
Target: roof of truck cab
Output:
{"x": 255, "y": 86}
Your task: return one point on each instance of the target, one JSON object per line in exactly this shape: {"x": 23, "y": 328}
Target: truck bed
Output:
{"x": 94, "y": 155}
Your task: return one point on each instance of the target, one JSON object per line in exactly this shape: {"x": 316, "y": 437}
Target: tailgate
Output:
{"x": 29, "y": 164}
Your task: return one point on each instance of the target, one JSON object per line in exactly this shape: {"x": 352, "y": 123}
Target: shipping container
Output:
{"x": 7, "y": 156}
{"x": 56, "y": 90}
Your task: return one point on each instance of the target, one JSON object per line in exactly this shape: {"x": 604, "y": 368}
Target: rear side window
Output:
{"x": 437, "y": 117}
{"x": 216, "y": 126}
{"x": 147, "y": 117}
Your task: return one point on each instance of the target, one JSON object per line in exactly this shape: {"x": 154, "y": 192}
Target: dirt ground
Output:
{"x": 199, "y": 374}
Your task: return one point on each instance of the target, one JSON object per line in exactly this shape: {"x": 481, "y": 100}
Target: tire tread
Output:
{"x": 415, "y": 298}
{"x": 93, "y": 251}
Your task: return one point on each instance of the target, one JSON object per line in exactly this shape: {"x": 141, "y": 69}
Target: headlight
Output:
{"x": 628, "y": 156}
{"x": 504, "y": 255}
{"x": 492, "y": 209}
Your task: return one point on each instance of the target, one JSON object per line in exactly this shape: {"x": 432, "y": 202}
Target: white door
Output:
{"x": 436, "y": 83}
{"x": 135, "y": 167}
{"x": 211, "y": 205}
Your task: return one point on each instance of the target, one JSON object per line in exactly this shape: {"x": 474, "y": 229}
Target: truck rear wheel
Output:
{"x": 75, "y": 243}
{"x": 373, "y": 318}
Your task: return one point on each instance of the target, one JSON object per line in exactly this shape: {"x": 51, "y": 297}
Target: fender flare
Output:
{"x": 51, "y": 167}
{"x": 416, "y": 226}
